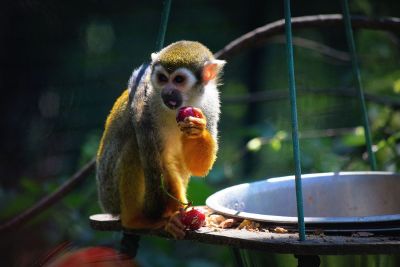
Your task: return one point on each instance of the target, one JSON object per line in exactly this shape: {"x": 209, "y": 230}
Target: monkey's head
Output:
{"x": 182, "y": 71}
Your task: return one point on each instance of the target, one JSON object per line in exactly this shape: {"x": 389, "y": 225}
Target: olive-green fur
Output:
{"x": 188, "y": 54}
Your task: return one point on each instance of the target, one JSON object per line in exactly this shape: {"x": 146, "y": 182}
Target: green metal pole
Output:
{"x": 163, "y": 25}
{"x": 356, "y": 73}
{"x": 160, "y": 40}
{"x": 295, "y": 130}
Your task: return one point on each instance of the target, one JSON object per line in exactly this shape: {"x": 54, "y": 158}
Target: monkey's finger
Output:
{"x": 190, "y": 126}
{"x": 195, "y": 132}
{"x": 192, "y": 132}
{"x": 188, "y": 129}
{"x": 193, "y": 123}
{"x": 175, "y": 231}
{"x": 176, "y": 220}
{"x": 196, "y": 121}
{"x": 199, "y": 111}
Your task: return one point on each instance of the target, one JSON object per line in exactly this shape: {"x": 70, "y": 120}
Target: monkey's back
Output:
{"x": 117, "y": 156}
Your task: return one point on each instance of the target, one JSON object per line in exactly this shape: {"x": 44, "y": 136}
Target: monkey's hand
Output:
{"x": 193, "y": 127}
{"x": 198, "y": 145}
{"x": 174, "y": 226}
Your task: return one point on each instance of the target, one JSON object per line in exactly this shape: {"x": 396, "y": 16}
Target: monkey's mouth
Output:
{"x": 172, "y": 99}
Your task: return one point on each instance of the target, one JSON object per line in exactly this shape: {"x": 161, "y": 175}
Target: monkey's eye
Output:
{"x": 162, "y": 78}
{"x": 179, "y": 79}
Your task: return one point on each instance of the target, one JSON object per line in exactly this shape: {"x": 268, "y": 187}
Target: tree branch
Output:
{"x": 262, "y": 34}
{"x": 49, "y": 200}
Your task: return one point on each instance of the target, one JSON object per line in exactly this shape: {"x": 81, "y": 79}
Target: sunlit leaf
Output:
{"x": 281, "y": 135}
{"x": 276, "y": 144}
{"x": 396, "y": 86}
{"x": 254, "y": 144}
{"x": 355, "y": 139}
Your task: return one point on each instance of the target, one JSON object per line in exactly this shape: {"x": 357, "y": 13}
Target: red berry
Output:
{"x": 193, "y": 219}
{"x": 184, "y": 112}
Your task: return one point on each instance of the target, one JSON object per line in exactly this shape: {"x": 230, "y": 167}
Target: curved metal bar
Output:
{"x": 262, "y": 34}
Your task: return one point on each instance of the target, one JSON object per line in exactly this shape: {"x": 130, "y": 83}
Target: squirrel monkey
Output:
{"x": 143, "y": 147}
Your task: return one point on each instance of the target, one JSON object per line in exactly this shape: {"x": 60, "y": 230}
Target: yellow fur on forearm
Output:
{"x": 199, "y": 153}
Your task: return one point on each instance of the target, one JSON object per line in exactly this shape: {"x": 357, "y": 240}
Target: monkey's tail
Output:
{"x": 108, "y": 193}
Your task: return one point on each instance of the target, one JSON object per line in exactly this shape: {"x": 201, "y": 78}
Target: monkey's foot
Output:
{"x": 175, "y": 227}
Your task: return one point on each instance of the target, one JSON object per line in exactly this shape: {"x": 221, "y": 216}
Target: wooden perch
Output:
{"x": 315, "y": 244}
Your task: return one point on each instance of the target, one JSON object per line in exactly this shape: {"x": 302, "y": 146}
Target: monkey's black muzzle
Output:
{"x": 172, "y": 98}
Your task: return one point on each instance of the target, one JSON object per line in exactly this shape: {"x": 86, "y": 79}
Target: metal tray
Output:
{"x": 342, "y": 201}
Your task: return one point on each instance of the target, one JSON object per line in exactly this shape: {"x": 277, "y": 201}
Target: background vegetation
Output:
{"x": 65, "y": 62}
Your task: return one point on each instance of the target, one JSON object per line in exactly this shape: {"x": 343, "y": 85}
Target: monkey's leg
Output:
{"x": 174, "y": 182}
{"x": 175, "y": 179}
{"x": 140, "y": 208}
{"x": 135, "y": 193}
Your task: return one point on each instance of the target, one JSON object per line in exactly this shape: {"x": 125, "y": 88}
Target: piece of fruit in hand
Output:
{"x": 184, "y": 112}
{"x": 193, "y": 219}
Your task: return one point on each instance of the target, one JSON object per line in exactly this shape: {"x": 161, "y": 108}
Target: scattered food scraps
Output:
{"x": 228, "y": 223}
{"x": 280, "y": 230}
{"x": 249, "y": 225}
{"x": 214, "y": 220}
{"x": 319, "y": 232}
{"x": 219, "y": 221}
{"x": 362, "y": 234}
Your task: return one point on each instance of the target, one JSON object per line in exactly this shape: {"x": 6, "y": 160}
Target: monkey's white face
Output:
{"x": 176, "y": 88}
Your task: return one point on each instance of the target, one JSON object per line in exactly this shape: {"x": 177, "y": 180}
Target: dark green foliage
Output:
{"x": 65, "y": 62}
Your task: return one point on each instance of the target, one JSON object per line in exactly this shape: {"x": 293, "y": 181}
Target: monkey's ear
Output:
{"x": 211, "y": 69}
{"x": 154, "y": 56}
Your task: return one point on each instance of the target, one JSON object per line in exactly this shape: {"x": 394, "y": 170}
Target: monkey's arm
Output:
{"x": 198, "y": 146}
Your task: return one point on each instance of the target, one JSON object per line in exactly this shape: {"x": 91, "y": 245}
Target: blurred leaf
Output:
{"x": 281, "y": 135}
{"x": 393, "y": 138}
{"x": 276, "y": 144}
{"x": 198, "y": 191}
{"x": 89, "y": 148}
{"x": 17, "y": 204}
{"x": 74, "y": 200}
{"x": 395, "y": 121}
{"x": 276, "y": 141}
{"x": 396, "y": 86}
{"x": 30, "y": 186}
{"x": 356, "y": 139}
{"x": 384, "y": 152}
{"x": 363, "y": 6}
{"x": 254, "y": 144}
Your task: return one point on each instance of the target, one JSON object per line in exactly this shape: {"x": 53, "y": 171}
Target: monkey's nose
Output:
{"x": 172, "y": 98}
